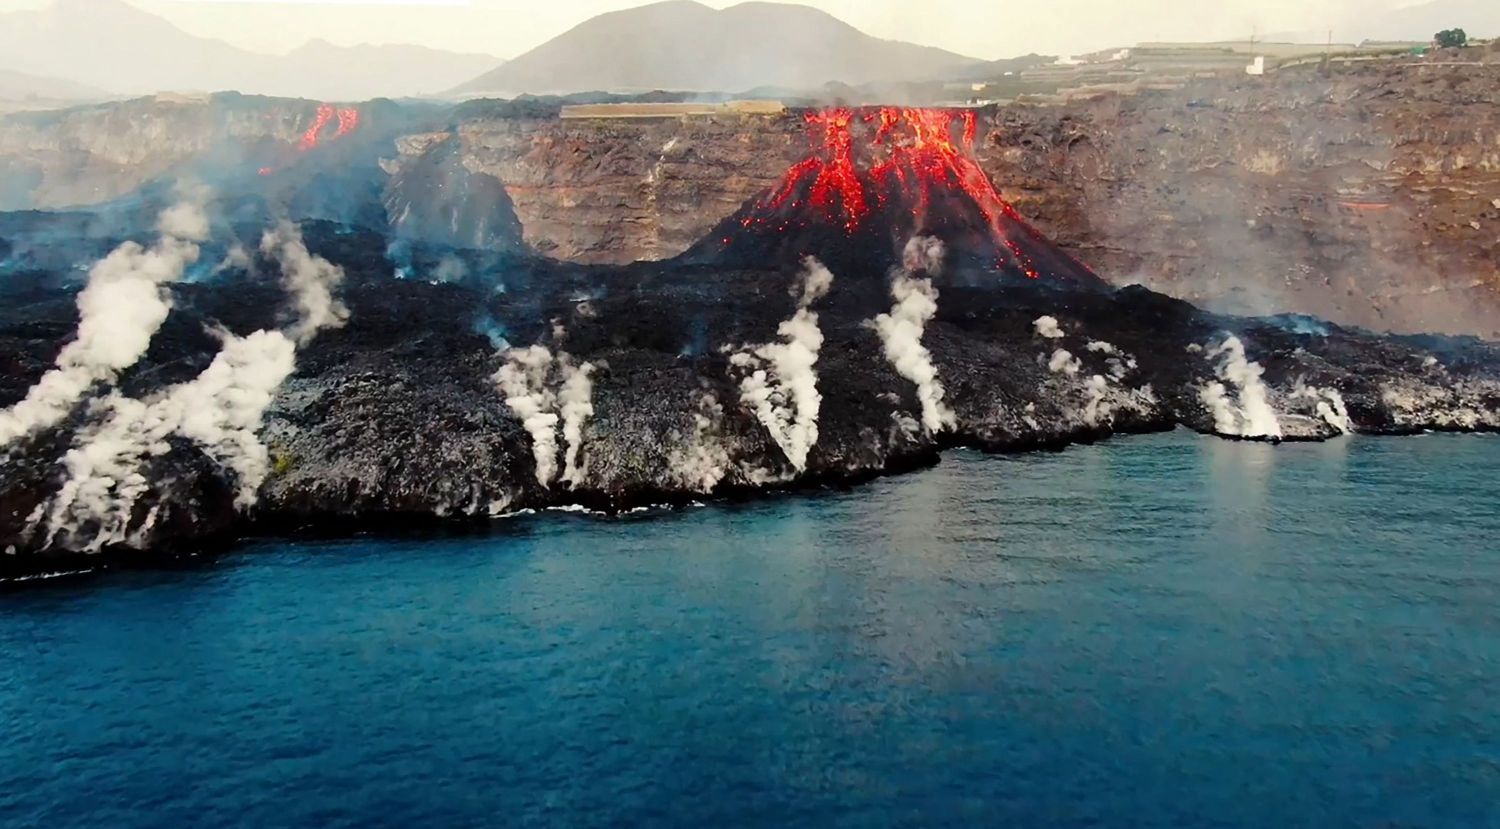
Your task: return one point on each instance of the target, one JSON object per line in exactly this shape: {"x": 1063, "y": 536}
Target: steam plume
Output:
{"x": 311, "y": 280}
{"x": 704, "y": 461}
{"x": 1251, "y": 414}
{"x": 923, "y": 254}
{"x": 782, "y": 387}
{"x": 524, "y": 381}
{"x": 901, "y": 330}
{"x": 120, "y": 310}
{"x": 1063, "y": 362}
{"x": 1120, "y": 363}
{"x": 577, "y": 401}
{"x": 221, "y": 410}
{"x": 1329, "y": 405}
{"x": 1047, "y": 327}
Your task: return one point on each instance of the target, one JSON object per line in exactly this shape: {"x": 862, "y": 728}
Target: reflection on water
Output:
{"x": 1165, "y": 630}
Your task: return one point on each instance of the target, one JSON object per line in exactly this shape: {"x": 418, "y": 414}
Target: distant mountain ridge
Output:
{"x": 685, "y": 45}
{"x": 20, "y": 86}
{"x": 114, "y": 46}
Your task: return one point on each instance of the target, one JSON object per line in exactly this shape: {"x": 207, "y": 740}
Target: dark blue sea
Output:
{"x": 1160, "y": 631}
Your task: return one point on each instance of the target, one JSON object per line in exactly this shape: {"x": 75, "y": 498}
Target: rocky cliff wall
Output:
{"x": 1369, "y": 195}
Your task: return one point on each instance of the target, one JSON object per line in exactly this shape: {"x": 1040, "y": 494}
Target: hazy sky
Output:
{"x": 982, "y": 28}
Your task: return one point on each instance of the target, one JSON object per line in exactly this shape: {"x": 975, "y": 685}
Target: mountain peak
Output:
{"x": 686, "y": 46}
{"x": 114, "y": 45}
{"x": 112, "y": 10}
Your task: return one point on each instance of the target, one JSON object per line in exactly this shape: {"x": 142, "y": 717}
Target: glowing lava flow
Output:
{"x": 926, "y": 148}
{"x": 835, "y": 187}
{"x": 348, "y": 121}
{"x": 310, "y": 138}
{"x": 915, "y": 160}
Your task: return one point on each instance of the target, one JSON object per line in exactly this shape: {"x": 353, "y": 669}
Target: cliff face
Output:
{"x": 409, "y": 358}
{"x": 1369, "y": 196}
{"x": 93, "y": 154}
{"x": 620, "y": 191}
{"x": 639, "y": 385}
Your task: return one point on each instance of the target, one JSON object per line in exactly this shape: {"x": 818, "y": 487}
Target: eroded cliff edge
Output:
{"x": 881, "y": 301}
{"x": 1369, "y": 196}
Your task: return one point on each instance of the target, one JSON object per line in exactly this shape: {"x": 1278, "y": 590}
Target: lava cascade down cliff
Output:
{"x": 875, "y": 177}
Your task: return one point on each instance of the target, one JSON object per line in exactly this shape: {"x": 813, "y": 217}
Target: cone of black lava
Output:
{"x": 877, "y": 177}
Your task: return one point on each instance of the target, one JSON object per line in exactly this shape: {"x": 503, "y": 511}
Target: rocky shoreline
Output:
{"x": 395, "y": 418}
{"x": 213, "y": 374}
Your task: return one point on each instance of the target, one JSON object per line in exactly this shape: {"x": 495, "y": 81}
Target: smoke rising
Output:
{"x": 901, "y": 330}
{"x": 782, "y": 387}
{"x": 524, "y": 381}
{"x": 221, "y": 411}
{"x": 924, "y": 254}
{"x": 703, "y": 462}
{"x": 577, "y": 403}
{"x": 1329, "y": 404}
{"x": 816, "y": 282}
{"x": 1250, "y": 415}
{"x": 1063, "y": 362}
{"x": 1047, "y": 327}
{"x": 120, "y": 310}
{"x": 1120, "y": 363}
{"x": 311, "y": 280}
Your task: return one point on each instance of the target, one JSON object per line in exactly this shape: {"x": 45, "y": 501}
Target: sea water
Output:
{"x": 1165, "y": 630}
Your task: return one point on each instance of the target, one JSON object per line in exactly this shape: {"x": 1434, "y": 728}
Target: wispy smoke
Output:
{"x": 1120, "y": 363}
{"x": 1251, "y": 414}
{"x": 1095, "y": 409}
{"x": 450, "y": 269}
{"x": 817, "y": 281}
{"x": 901, "y": 330}
{"x": 311, "y": 280}
{"x": 221, "y": 411}
{"x": 1063, "y": 362}
{"x": 120, "y": 310}
{"x": 782, "y": 387}
{"x": 1047, "y": 327}
{"x": 923, "y": 254}
{"x": 577, "y": 402}
{"x": 703, "y": 462}
{"x": 1329, "y": 405}
{"x": 524, "y": 380}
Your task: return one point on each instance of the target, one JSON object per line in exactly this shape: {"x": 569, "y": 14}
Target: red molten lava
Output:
{"x": 835, "y": 187}
{"x": 348, "y": 121}
{"x": 914, "y": 160}
{"x": 310, "y": 138}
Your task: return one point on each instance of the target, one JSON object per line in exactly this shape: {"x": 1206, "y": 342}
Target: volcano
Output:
{"x": 875, "y": 177}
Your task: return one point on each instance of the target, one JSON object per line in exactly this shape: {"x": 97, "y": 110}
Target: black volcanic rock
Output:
{"x": 395, "y": 417}
{"x": 874, "y": 179}
{"x": 398, "y": 415}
